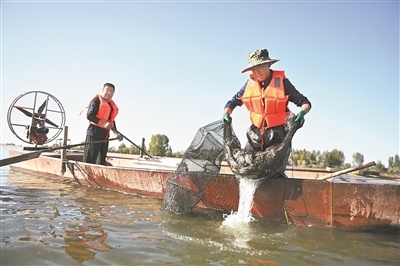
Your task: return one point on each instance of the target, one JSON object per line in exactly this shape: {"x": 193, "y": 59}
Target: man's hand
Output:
{"x": 117, "y": 134}
{"x": 300, "y": 116}
{"x": 105, "y": 124}
{"x": 226, "y": 118}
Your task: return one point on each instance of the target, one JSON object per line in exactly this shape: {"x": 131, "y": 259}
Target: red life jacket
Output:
{"x": 268, "y": 106}
{"x": 107, "y": 110}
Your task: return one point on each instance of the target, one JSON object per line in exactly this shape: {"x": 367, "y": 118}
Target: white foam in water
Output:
{"x": 237, "y": 223}
{"x": 247, "y": 188}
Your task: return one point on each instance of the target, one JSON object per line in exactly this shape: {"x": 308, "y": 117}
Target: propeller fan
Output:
{"x": 37, "y": 116}
{"x": 49, "y": 117}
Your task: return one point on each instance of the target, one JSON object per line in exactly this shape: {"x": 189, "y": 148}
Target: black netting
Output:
{"x": 248, "y": 163}
{"x": 202, "y": 162}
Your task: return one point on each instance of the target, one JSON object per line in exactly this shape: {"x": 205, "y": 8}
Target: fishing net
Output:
{"x": 201, "y": 163}
{"x": 271, "y": 162}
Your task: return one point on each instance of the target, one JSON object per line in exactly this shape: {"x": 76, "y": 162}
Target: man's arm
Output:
{"x": 235, "y": 101}
{"x": 295, "y": 96}
{"x": 93, "y": 109}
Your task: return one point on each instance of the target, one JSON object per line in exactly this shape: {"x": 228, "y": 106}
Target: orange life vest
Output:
{"x": 268, "y": 106}
{"x": 107, "y": 110}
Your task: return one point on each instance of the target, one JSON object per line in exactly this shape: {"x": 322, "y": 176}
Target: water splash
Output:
{"x": 237, "y": 223}
{"x": 247, "y": 188}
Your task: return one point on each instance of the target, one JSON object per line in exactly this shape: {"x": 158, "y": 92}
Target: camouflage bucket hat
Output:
{"x": 259, "y": 57}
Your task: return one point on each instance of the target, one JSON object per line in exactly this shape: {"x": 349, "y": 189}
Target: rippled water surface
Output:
{"x": 53, "y": 222}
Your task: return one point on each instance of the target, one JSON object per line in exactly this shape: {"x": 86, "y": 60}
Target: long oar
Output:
{"x": 36, "y": 154}
{"x": 133, "y": 143}
{"x": 348, "y": 170}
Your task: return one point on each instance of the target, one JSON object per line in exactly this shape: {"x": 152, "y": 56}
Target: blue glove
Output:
{"x": 226, "y": 118}
{"x": 300, "y": 116}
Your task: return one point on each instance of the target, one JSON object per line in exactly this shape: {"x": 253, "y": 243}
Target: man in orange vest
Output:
{"x": 101, "y": 115}
{"x": 266, "y": 95}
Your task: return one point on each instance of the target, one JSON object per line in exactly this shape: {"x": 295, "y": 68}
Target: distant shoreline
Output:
{"x": 10, "y": 145}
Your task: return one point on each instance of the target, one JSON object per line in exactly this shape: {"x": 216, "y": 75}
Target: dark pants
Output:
{"x": 95, "y": 153}
{"x": 271, "y": 136}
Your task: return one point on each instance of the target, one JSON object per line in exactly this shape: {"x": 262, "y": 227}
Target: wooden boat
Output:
{"x": 347, "y": 202}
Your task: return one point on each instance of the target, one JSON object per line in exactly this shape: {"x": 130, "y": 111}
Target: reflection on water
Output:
{"x": 49, "y": 222}
{"x": 85, "y": 237}
{"x": 83, "y": 242}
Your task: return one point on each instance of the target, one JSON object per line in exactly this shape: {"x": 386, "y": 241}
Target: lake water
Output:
{"x": 49, "y": 222}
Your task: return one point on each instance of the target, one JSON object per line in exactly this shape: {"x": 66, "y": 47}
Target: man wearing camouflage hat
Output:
{"x": 266, "y": 95}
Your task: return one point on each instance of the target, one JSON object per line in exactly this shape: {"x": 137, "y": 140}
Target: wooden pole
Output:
{"x": 36, "y": 154}
{"x": 348, "y": 170}
{"x": 64, "y": 151}
{"x": 141, "y": 152}
{"x": 378, "y": 174}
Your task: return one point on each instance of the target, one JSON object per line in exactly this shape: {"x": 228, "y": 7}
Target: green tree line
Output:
{"x": 158, "y": 146}
{"x": 336, "y": 159}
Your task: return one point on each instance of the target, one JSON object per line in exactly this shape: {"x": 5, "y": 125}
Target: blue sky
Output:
{"x": 176, "y": 63}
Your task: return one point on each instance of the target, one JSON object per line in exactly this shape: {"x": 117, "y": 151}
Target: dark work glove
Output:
{"x": 226, "y": 118}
